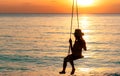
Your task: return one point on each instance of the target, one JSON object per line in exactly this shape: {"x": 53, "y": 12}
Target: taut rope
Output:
{"x": 72, "y": 15}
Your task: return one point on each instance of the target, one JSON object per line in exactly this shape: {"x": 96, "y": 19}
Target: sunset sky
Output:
{"x": 57, "y": 6}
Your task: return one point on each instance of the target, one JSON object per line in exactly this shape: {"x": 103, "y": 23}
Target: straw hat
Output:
{"x": 78, "y": 32}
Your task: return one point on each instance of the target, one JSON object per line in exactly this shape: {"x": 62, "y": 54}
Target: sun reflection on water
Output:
{"x": 85, "y": 69}
{"x": 84, "y": 22}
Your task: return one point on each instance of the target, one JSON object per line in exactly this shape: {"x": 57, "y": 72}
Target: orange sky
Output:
{"x": 56, "y": 6}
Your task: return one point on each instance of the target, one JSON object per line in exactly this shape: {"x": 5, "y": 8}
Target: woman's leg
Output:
{"x": 73, "y": 68}
{"x": 69, "y": 58}
{"x": 64, "y": 65}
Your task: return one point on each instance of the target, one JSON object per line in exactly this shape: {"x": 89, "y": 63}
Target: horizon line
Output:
{"x": 59, "y": 13}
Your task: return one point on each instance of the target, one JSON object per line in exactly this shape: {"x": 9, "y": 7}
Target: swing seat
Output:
{"x": 72, "y": 57}
{"x": 79, "y": 57}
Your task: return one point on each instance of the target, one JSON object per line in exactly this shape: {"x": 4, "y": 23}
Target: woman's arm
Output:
{"x": 84, "y": 46}
{"x": 70, "y": 41}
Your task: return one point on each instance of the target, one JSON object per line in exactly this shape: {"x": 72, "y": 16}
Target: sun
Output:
{"x": 85, "y": 3}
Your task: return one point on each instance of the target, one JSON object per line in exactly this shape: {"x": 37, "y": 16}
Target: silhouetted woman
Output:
{"x": 76, "y": 50}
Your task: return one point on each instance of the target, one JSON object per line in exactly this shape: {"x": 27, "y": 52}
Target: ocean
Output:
{"x": 36, "y": 44}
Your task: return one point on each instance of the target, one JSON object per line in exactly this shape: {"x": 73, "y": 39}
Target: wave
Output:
{"x": 8, "y": 68}
{"x": 17, "y": 58}
{"x": 111, "y": 74}
{"x": 44, "y": 60}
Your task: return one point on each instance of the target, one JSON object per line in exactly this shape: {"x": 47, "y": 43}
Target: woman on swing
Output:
{"x": 76, "y": 50}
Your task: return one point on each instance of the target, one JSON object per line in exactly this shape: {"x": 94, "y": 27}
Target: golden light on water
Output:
{"x": 85, "y": 69}
{"x": 84, "y": 22}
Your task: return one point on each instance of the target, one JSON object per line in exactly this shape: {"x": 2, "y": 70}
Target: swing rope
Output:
{"x": 77, "y": 13}
{"x": 72, "y": 18}
{"x": 72, "y": 15}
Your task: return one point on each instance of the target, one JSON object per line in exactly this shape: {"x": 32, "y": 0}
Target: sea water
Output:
{"x": 36, "y": 44}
